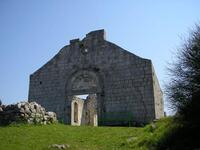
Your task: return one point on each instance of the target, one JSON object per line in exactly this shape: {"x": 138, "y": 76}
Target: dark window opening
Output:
{"x": 81, "y": 46}
{"x": 75, "y": 112}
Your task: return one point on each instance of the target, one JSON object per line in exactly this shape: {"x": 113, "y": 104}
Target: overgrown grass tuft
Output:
{"x": 153, "y": 136}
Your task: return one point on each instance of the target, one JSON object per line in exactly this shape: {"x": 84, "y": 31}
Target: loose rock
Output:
{"x": 61, "y": 146}
{"x": 25, "y": 112}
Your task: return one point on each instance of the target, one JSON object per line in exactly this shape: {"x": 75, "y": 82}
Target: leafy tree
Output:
{"x": 183, "y": 91}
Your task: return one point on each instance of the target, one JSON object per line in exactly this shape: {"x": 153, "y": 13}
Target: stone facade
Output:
{"x": 123, "y": 82}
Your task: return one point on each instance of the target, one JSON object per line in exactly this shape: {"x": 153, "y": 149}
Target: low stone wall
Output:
{"x": 25, "y": 112}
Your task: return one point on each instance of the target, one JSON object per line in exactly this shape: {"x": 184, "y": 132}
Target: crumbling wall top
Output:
{"x": 74, "y": 41}
{"x": 99, "y": 34}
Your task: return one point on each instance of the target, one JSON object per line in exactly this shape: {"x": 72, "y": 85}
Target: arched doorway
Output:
{"x": 83, "y": 82}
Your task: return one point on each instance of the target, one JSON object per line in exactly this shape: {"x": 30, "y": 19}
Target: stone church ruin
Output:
{"x": 122, "y": 88}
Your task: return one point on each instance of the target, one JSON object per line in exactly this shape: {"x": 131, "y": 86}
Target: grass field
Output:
{"x": 39, "y": 137}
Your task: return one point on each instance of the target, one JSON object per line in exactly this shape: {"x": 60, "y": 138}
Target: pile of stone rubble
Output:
{"x": 25, "y": 112}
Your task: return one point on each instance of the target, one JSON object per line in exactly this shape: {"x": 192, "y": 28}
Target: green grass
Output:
{"x": 39, "y": 137}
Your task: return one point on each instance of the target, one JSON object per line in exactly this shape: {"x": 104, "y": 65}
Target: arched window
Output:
{"x": 75, "y": 112}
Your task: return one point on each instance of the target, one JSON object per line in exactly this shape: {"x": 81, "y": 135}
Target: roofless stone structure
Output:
{"x": 125, "y": 86}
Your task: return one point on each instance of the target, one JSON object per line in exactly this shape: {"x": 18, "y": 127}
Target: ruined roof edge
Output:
{"x": 101, "y": 34}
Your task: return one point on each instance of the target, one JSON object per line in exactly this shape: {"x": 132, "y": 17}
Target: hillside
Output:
{"x": 39, "y": 137}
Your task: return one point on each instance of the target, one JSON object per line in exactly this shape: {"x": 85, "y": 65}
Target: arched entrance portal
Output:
{"x": 84, "y": 82}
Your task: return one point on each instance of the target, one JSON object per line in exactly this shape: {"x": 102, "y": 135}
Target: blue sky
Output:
{"x": 32, "y": 32}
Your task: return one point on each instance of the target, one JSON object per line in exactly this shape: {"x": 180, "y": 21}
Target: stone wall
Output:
{"x": 90, "y": 111}
{"x": 79, "y": 112}
{"x": 24, "y": 112}
{"x": 122, "y": 81}
{"x": 87, "y": 111}
{"x": 158, "y": 97}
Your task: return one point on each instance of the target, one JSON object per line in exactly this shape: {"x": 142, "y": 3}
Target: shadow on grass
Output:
{"x": 182, "y": 137}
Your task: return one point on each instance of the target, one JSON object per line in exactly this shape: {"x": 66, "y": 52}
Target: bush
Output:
{"x": 183, "y": 91}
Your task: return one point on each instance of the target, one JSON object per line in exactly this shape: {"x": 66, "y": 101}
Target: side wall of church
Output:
{"x": 158, "y": 97}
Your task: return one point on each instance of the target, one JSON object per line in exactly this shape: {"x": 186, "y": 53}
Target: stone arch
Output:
{"x": 82, "y": 82}
{"x": 88, "y": 81}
